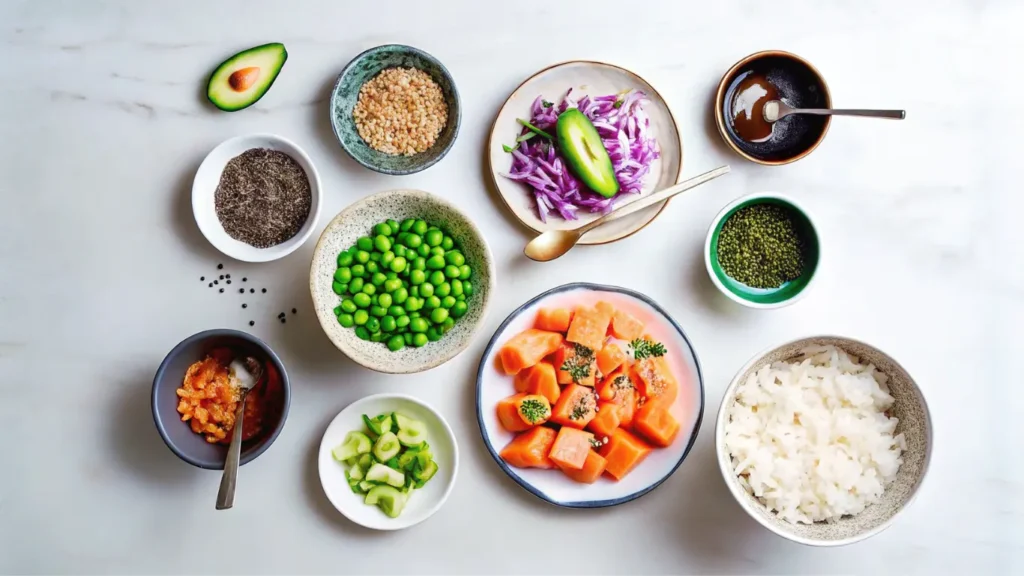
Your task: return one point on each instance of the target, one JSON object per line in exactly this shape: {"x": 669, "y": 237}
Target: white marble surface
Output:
{"x": 102, "y": 125}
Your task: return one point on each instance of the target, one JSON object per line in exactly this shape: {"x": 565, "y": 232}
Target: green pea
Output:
{"x": 455, "y": 257}
{"x": 337, "y": 310}
{"x": 419, "y": 340}
{"x": 435, "y": 262}
{"x": 414, "y": 315}
{"x": 398, "y": 264}
{"x": 391, "y": 275}
{"x": 467, "y": 287}
{"x": 384, "y": 300}
{"x": 433, "y": 334}
{"x": 456, "y": 287}
{"x": 426, "y": 290}
{"x": 361, "y": 333}
{"x": 443, "y": 289}
{"x": 413, "y": 304}
{"x": 451, "y": 271}
{"x": 392, "y": 284}
{"x": 448, "y": 301}
{"x": 400, "y": 295}
{"x": 437, "y": 251}
{"x": 373, "y": 325}
{"x": 346, "y": 320}
{"x": 418, "y": 325}
{"x": 417, "y": 277}
{"x": 393, "y": 224}
{"x": 387, "y": 258}
{"x": 407, "y": 338}
{"x": 374, "y": 256}
{"x": 413, "y": 241}
{"x": 339, "y": 288}
{"x": 344, "y": 259}
{"x": 360, "y": 317}
{"x": 376, "y": 337}
{"x": 361, "y": 300}
{"x": 396, "y": 343}
{"x": 460, "y": 298}
{"x": 362, "y": 256}
{"x": 365, "y": 243}
{"x": 438, "y": 315}
{"x": 459, "y": 309}
{"x": 448, "y": 324}
{"x": 378, "y": 311}
{"x": 437, "y": 277}
{"x": 465, "y": 272}
{"x": 406, "y": 224}
{"x": 356, "y": 285}
{"x": 402, "y": 321}
{"x": 419, "y": 263}
{"x": 382, "y": 229}
{"x": 343, "y": 275}
{"x": 369, "y": 289}
{"x": 433, "y": 237}
{"x": 423, "y": 250}
{"x": 382, "y": 243}
{"x": 372, "y": 267}
{"x": 395, "y": 311}
{"x": 420, "y": 227}
{"x": 378, "y": 279}
{"x": 433, "y": 302}
{"x": 399, "y": 250}
{"x": 358, "y": 270}
{"x": 415, "y": 291}
{"x": 348, "y": 305}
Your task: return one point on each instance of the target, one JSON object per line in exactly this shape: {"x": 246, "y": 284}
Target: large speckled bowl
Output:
{"x": 914, "y": 422}
{"x": 356, "y": 221}
{"x": 346, "y": 92}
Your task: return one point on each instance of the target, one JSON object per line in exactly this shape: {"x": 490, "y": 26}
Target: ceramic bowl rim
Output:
{"x": 492, "y": 170}
{"x": 738, "y": 494}
{"x": 587, "y": 503}
{"x": 316, "y": 198}
{"x": 272, "y": 356}
{"x": 723, "y": 86}
{"x": 437, "y": 360}
{"x": 716, "y": 224}
{"x": 383, "y": 396}
{"x": 455, "y": 97}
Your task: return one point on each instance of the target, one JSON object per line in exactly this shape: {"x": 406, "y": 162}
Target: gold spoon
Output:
{"x": 554, "y": 243}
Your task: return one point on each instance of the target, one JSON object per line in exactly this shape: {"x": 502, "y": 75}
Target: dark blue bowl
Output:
{"x": 189, "y": 446}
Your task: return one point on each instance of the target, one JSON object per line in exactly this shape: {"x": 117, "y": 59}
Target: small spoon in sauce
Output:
{"x": 748, "y": 102}
{"x": 246, "y": 374}
{"x": 774, "y": 110}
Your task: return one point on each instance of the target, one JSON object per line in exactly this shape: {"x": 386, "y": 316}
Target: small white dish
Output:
{"x": 595, "y": 79}
{"x": 208, "y": 177}
{"x": 423, "y": 502}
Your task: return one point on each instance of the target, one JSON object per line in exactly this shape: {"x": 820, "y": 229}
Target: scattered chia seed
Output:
{"x": 294, "y": 311}
{"x": 263, "y": 197}
{"x": 222, "y": 290}
{"x": 229, "y": 281}
{"x": 283, "y": 320}
{"x": 245, "y": 279}
{"x": 264, "y": 290}
{"x": 211, "y": 284}
{"x": 227, "y": 275}
{"x": 220, "y": 266}
{"x": 202, "y": 278}
{"x": 245, "y": 305}
{"x": 252, "y": 290}
{"x": 221, "y": 276}
{"x": 216, "y": 281}
{"x": 252, "y": 323}
{"x": 241, "y": 290}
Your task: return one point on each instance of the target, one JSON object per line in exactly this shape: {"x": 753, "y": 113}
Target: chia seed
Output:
{"x": 222, "y": 290}
{"x": 252, "y": 323}
{"x": 220, "y": 266}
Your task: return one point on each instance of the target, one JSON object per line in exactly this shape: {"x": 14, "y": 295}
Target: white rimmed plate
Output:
{"x": 595, "y": 79}
{"x": 423, "y": 502}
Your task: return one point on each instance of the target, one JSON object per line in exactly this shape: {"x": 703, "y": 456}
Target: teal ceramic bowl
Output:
{"x": 346, "y": 92}
{"x": 789, "y": 292}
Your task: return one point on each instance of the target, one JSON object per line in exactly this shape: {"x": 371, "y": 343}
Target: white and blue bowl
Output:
{"x": 552, "y": 485}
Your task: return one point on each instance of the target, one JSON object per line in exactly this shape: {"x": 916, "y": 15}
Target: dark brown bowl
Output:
{"x": 800, "y": 85}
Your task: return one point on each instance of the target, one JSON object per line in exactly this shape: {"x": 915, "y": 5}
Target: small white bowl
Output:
{"x": 915, "y": 424}
{"x": 423, "y": 502}
{"x": 205, "y": 184}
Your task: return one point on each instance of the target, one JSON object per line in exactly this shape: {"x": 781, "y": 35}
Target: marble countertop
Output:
{"x": 103, "y": 124}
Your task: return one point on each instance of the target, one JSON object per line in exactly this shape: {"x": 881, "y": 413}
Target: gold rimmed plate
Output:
{"x": 594, "y": 79}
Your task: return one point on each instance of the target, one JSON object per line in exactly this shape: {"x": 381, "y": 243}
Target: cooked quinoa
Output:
{"x": 400, "y": 111}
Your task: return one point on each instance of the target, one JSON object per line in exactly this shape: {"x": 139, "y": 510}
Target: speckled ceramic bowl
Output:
{"x": 914, "y": 422}
{"x": 346, "y": 92}
{"x": 356, "y": 221}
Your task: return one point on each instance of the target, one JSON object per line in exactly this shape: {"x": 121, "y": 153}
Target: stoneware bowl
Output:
{"x": 189, "y": 446}
{"x": 585, "y": 78}
{"x": 346, "y": 92}
{"x": 208, "y": 177}
{"x": 357, "y": 220}
{"x": 914, "y": 422}
{"x": 764, "y": 298}
{"x": 800, "y": 85}
{"x": 423, "y": 502}
{"x": 492, "y": 384}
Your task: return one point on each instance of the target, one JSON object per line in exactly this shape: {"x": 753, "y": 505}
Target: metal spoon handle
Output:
{"x": 226, "y": 494}
{"x": 893, "y": 114}
{"x": 659, "y": 196}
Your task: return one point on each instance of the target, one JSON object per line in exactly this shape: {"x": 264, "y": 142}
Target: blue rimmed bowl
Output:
{"x": 551, "y": 485}
{"x": 345, "y": 94}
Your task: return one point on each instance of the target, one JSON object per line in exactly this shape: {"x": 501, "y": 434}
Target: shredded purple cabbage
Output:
{"x": 625, "y": 132}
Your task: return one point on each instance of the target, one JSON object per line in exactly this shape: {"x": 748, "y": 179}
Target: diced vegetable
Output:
{"x": 386, "y": 474}
{"x": 589, "y": 326}
{"x": 575, "y": 408}
{"x": 387, "y": 498}
{"x": 355, "y": 443}
{"x": 654, "y": 380}
{"x": 521, "y": 411}
{"x": 609, "y": 358}
{"x": 527, "y": 348}
{"x": 655, "y": 424}
{"x": 553, "y": 319}
{"x": 623, "y": 451}
{"x": 530, "y": 449}
{"x": 575, "y": 363}
{"x": 606, "y": 420}
{"x": 538, "y": 379}
{"x": 571, "y": 448}
{"x": 625, "y": 326}
{"x": 427, "y": 472}
{"x": 386, "y": 447}
{"x": 355, "y": 472}
{"x": 592, "y": 469}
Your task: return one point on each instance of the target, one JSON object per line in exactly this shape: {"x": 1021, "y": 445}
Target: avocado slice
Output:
{"x": 583, "y": 150}
{"x": 245, "y": 77}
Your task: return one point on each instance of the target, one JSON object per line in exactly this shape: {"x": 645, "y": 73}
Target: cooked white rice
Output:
{"x": 810, "y": 438}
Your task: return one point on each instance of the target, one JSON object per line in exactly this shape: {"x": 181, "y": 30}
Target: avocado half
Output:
{"x": 245, "y": 77}
{"x": 587, "y": 157}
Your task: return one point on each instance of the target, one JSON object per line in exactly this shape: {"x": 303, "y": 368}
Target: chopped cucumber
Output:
{"x": 385, "y": 423}
{"x": 404, "y": 421}
{"x": 381, "y": 473}
{"x": 365, "y": 460}
{"x": 388, "y": 499}
{"x": 425, "y": 473}
{"x": 423, "y": 459}
{"x": 410, "y": 437}
{"x": 366, "y": 485}
{"x": 372, "y": 425}
{"x": 393, "y": 463}
{"x": 355, "y": 472}
{"x": 355, "y": 443}
{"x": 407, "y": 460}
{"x": 386, "y": 447}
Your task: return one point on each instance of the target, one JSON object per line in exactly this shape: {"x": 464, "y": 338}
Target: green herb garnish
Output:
{"x": 546, "y": 104}
{"x": 508, "y": 148}
{"x": 761, "y": 246}
{"x": 578, "y": 366}
{"x": 582, "y": 407}
{"x": 533, "y": 410}
{"x": 525, "y": 137}
{"x": 646, "y": 348}
{"x": 534, "y": 129}
{"x": 622, "y": 383}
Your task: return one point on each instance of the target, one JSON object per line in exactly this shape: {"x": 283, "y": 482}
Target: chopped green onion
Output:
{"x": 534, "y": 129}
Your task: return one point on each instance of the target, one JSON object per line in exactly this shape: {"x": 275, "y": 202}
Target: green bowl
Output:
{"x": 764, "y": 297}
{"x": 346, "y": 91}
